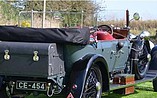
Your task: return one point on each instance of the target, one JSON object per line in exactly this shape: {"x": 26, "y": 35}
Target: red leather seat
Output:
{"x": 101, "y": 35}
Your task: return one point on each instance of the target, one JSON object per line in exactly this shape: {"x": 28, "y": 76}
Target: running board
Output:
{"x": 151, "y": 74}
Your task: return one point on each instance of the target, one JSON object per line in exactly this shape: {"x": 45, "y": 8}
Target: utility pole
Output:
{"x": 44, "y": 11}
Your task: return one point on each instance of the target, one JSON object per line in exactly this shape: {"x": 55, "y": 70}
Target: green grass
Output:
{"x": 143, "y": 90}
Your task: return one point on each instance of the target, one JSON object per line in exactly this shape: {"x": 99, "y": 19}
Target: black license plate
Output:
{"x": 31, "y": 85}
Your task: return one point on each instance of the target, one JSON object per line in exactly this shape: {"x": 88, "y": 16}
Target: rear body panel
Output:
{"x": 21, "y": 61}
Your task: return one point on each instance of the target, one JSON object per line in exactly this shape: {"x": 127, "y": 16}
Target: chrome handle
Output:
{"x": 6, "y": 55}
{"x": 35, "y": 57}
{"x": 113, "y": 52}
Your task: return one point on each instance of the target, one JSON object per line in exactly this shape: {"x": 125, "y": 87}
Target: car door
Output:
{"x": 109, "y": 52}
{"x": 122, "y": 54}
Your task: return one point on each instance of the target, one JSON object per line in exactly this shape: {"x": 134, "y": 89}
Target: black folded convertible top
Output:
{"x": 44, "y": 35}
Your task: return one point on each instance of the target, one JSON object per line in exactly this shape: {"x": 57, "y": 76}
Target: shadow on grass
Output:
{"x": 145, "y": 88}
{"x": 115, "y": 95}
{"x": 112, "y": 95}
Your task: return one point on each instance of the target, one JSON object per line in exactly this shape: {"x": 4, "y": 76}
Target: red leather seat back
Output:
{"x": 101, "y": 35}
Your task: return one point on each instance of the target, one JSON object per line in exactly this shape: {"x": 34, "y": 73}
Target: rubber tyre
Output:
{"x": 93, "y": 77}
{"x": 155, "y": 84}
{"x": 3, "y": 93}
{"x": 140, "y": 63}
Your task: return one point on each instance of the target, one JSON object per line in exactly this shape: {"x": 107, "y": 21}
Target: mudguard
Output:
{"x": 79, "y": 73}
{"x": 153, "y": 65}
{"x": 149, "y": 45}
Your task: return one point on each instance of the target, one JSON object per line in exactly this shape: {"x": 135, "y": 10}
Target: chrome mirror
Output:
{"x": 136, "y": 16}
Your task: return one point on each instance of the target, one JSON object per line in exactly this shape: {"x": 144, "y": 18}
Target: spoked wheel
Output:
{"x": 93, "y": 84}
{"x": 141, "y": 63}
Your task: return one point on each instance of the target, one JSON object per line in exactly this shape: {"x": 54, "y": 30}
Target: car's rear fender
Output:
{"x": 80, "y": 70}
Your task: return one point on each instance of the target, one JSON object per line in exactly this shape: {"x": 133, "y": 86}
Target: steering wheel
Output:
{"x": 106, "y": 28}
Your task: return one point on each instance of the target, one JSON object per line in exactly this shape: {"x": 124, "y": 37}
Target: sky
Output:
{"x": 115, "y": 9}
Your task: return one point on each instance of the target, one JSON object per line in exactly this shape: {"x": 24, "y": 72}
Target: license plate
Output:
{"x": 31, "y": 85}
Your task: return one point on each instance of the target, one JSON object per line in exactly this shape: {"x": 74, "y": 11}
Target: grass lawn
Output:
{"x": 143, "y": 90}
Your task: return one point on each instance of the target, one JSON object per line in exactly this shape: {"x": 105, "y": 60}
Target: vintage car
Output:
{"x": 67, "y": 61}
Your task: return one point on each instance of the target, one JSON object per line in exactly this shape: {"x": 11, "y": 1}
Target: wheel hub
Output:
{"x": 149, "y": 57}
{"x": 98, "y": 86}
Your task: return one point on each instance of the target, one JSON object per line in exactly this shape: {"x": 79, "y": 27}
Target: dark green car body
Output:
{"x": 63, "y": 62}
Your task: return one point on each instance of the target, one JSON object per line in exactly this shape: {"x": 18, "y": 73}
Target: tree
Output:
{"x": 60, "y": 5}
{"x": 88, "y": 7}
{"x": 19, "y": 4}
